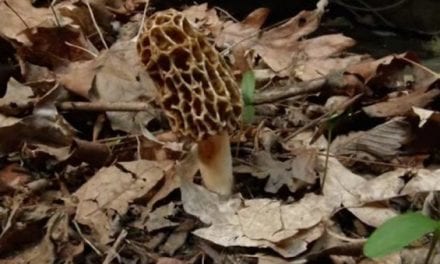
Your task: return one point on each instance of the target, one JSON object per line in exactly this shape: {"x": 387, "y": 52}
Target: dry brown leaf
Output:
{"x": 313, "y": 68}
{"x": 282, "y": 47}
{"x": 92, "y": 153}
{"x": 17, "y": 100}
{"x": 243, "y": 33}
{"x": 302, "y": 141}
{"x": 381, "y": 142}
{"x": 373, "y": 215}
{"x": 12, "y": 177}
{"x": 340, "y": 189}
{"x": 383, "y": 187}
{"x": 303, "y": 165}
{"x": 371, "y": 69}
{"x": 122, "y": 78}
{"x": 158, "y": 218}
{"x": 340, "y": 183}
{"x": 261, "y": 218}
{"x": 78, "y": 77}
{"x": 279, "y": 47}
{"x": 32, "y": 16}
{"x": 401, "y": 105}
{"x": 184, "y": 170}
{"x": 113, "y": 189}
{"x": 240, "y": 37}
{"x": 279, "y": 173}
{"x": 175, "y": 241}
{"x": 34, "y": 129}
{"x": 57, "y": 46}
{"x": 269, "y": 224}
{"x": 206, "y": 20}
{"x": 423, "y": 181}
{"x": 425, "y": 115}
{"x": 325, "y": 46}
{"x": 389, "y": 259}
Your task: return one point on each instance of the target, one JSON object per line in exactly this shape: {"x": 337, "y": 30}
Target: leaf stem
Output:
{"x": 432, "y": 246}
{"x": 327, "y": 154}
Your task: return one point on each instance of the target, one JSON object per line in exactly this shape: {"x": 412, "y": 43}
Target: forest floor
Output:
{"x": 339, "y": 133}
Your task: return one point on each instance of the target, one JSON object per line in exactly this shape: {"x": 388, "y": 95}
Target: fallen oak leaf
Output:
{"x": 231, "y": 221}
{"x": 17, "y": 100}
{"x": 401, "y": 105}
{"x": 114, "y": 188}
{"x": 382, "y": 142}
{"x": 279, "y": 47}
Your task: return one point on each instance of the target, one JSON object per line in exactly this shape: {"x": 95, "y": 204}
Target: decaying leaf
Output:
{"x": 121, "y": 78}
{"x": 261, "y": 223}
{"x": 340, "y": 188}
{"x": 33, "y": 129}
{"x": 32, "y": 17}
{"x": 206, "y": 20}
{"x": 113, "y": 189}
{"x": 295, "y": 173}
{"x": 381, "y": 142}
{"x": 77, "y": 186}
{"x": 17, "y": 100}
{"x": 401, "y": 105}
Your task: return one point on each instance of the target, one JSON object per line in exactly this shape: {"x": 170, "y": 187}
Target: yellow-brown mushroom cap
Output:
{"x": 196, "y": 88}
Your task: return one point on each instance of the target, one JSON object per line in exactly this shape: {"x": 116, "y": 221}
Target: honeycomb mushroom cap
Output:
{"x": 196, "y": 88}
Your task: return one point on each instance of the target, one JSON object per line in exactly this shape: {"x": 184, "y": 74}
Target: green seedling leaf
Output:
{"x": 248, "y": 90}
{"x": 248, "y": 113}
{"x": 248, "y": 87}
{"x": 397, "y": 233}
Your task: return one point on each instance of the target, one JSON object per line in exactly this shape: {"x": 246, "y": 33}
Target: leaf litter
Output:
{"x": 90, "y": 173}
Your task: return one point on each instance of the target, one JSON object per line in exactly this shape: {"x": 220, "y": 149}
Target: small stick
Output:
{"x": 105, "y": 106}
{"x": 80, "y": 48}
{"x": 54, "y": 13}
{"x": 112, "y": 253}
{"x": 88, "y": 242}
{"x": 144, "y": 14}
{"x": 101, "y": 36}
{"x": 312, "y": 86}
{"x": 15, "y": 12}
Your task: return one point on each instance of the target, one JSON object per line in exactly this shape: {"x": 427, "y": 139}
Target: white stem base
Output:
{"x": 215, "y": 163}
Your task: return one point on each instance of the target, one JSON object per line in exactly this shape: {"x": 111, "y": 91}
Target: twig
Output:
{"x": 101, "y": 36}
{"x": 15, "y": 12}
{"x": 81, "y": 48}
{"x": 423, "y": 67}
{"x": 54, "y": 13}
{"x": 144, "y": 14}
{"x": 226, "y": 13}
{"x": 88, "y": 242}
{"x": 104, "y": 106}
{"x": 326, "y": 116}
{"x": 112, "y": 252}
{"x": 312, "y": 86}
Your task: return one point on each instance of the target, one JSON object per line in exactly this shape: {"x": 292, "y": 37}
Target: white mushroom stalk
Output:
{"x": 215, "y": 163}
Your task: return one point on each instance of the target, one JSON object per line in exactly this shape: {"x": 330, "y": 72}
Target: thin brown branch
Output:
{"x": 104, "y": 106}
{"x": 18, "y": 15}
{"x": 312, "y": 86}
{"x": 52, "y": 8}
{"x": 324, "y": 117}
{"x": 101, "y": 36}
{"x": 144, "y": 14}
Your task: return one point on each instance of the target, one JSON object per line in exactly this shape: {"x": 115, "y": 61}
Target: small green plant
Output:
{"x": 248, "y": 91}
{"x": 399, "y": 232}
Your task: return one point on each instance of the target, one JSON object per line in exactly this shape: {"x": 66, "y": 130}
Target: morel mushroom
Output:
{"x": 197, "y": 91}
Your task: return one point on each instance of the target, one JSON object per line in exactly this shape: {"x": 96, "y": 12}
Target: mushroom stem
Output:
{"x": 215, "y": 163}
